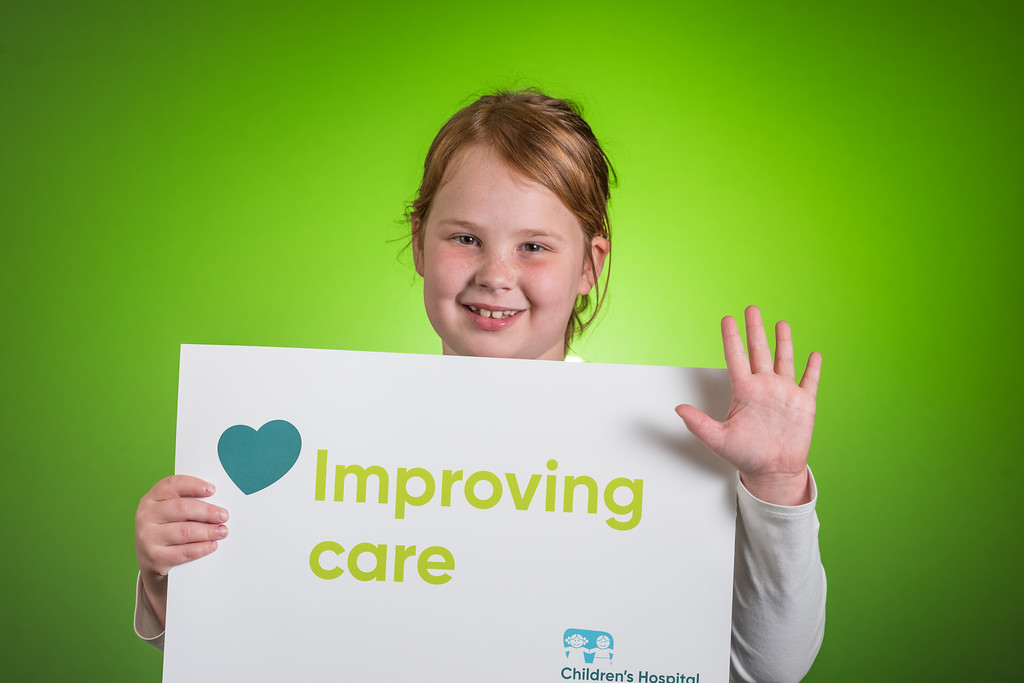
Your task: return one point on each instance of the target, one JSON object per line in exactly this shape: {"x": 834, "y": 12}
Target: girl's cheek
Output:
{"x": 453, "y": 263}
{"x": 555, "y": 283}
{"x": 445, "y": 255}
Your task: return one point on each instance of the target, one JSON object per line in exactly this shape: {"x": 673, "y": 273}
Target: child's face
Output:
{"x": 502, "y": 262}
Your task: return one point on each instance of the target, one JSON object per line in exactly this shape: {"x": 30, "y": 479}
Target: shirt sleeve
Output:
{"x": 146, "y": 625}
{"x": 778, "y": 608}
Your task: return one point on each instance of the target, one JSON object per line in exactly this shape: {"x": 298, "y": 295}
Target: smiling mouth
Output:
{"x": 492, "y": 314}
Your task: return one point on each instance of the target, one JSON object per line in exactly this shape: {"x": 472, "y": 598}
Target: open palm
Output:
{"x": 767, "y": 432}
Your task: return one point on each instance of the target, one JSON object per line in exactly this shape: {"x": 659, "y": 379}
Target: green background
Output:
{"x": 237, "y": 174}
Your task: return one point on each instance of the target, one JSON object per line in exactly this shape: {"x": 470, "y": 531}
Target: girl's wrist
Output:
{"x": 780, "y": 489}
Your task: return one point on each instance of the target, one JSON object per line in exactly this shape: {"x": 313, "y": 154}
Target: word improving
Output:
{"x": 416, "y": 487}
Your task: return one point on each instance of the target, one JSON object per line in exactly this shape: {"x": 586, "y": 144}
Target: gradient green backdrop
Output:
{"x": 237, "y": 174}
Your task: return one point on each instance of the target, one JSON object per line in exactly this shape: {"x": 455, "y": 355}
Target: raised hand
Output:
{"x": 767, "y": 433}
{"x": 172, "y": 528}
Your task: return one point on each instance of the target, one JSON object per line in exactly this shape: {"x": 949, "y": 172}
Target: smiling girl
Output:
{"x": 503, "y": 261}
{"x": 510, "y": 233}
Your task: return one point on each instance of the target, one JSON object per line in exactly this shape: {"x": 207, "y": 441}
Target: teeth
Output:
{"x": 492, "y": 314}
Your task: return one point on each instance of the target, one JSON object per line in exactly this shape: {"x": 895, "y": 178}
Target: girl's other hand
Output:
{"x": 767, "y": 433}
{"x": 172, "y": 528}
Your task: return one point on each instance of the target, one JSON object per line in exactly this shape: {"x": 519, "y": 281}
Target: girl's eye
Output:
{"x": 467, "y": 240}
{"x": 533, "y": 248}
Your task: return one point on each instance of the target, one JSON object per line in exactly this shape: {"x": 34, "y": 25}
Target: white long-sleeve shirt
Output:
{"x": 778, "y": 592}
{"x": 778, "y": 613}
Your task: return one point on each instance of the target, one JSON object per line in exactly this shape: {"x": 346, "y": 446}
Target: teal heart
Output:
{"x": 256, "y": 459}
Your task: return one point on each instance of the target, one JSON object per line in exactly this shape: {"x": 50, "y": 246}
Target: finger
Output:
{"x": 172, "y": 556}
{"x": 158, "y": 541}
{"x": 184, "y": 533}
{"x": 179, "y": 485}
{"x": 193, "y": 551}
{"x": 757, "y": 342}
{"x": 812, "y": 374}
{"x": 784, "y": 350}
{"x": 167, "y": 545}
{"x": 702, "y": 426}
{"x": 735, "y": 357}
{"x": 185, "y": 510}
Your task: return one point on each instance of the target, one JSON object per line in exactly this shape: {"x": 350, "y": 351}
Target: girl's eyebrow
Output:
{"x": 459, "y": 223}
{"x": 521, "y": 233}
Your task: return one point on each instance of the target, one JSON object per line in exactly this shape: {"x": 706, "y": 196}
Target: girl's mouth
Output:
{"x": 500, "y": 315}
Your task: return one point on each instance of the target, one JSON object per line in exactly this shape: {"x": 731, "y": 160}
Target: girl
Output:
{"x": 510, "y": 233}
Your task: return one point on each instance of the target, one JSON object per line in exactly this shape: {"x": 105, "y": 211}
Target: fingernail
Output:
{"x": 222, "y": 515}
{"x": 210, "y": 488}
{"x": 222, "y": 531}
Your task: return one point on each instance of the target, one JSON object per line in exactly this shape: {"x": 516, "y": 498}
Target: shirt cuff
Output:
{"x": 146, "y": 625}
{"x": 750, "y": 501}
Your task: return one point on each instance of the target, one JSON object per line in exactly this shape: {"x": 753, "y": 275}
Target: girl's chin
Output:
{"x": 502, "y": 349}
{"x": 485, "y": 351}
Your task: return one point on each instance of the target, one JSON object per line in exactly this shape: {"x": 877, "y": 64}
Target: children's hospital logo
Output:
{"x": 591, "y": 646}
{"x": 255, "y": 459}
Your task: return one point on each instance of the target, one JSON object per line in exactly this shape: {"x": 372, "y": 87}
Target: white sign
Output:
{"x": 398, "y": 518}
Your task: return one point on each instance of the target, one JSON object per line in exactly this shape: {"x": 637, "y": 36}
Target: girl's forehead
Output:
{"x": 479, "y": 158}
{"x": 483, "y": 189}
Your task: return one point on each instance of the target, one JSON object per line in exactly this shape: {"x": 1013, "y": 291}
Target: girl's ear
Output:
{"x": 592, "y": 267}
{"x": 417, "y": 246}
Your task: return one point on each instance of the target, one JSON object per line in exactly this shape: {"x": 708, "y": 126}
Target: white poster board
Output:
{"x": 463, "y": 559}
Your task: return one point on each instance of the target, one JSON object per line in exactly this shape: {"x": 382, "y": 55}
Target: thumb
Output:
{"x": 708, "y": 430}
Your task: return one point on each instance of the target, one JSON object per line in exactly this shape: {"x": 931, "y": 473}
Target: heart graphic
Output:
{"x": 256, "y": 459}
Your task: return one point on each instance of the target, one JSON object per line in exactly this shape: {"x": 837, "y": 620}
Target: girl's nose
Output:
{"x": 495, "y": 272}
